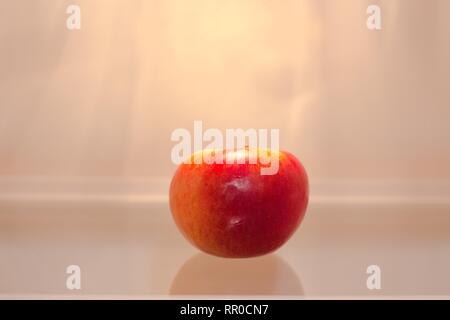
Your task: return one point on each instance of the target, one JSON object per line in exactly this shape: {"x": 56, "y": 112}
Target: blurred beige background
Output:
{"x": 353, "y": 104}
{"x": 86, "y": 118}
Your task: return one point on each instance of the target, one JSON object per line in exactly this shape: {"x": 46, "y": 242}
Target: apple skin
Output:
{"x": 231, "y": 210}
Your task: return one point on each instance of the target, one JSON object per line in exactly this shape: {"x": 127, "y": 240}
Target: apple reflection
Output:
{"x": 207, "y": 275}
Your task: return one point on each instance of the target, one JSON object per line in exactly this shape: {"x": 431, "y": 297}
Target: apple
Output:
{"x": 232, "y": 210}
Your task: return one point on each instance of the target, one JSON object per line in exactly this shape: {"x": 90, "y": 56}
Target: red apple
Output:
{"x": 232, "y": 210}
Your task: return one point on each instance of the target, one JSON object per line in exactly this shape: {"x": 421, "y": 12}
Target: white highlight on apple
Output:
{"x": 237, "y": 140}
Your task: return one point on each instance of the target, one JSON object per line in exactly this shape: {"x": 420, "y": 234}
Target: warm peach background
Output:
{"x": 86, "y": 118}
{"x": 102, "y": 101}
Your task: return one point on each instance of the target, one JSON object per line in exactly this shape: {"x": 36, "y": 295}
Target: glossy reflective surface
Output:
{"x": 133, "y": 249}
{"x": 231, "y": 209}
